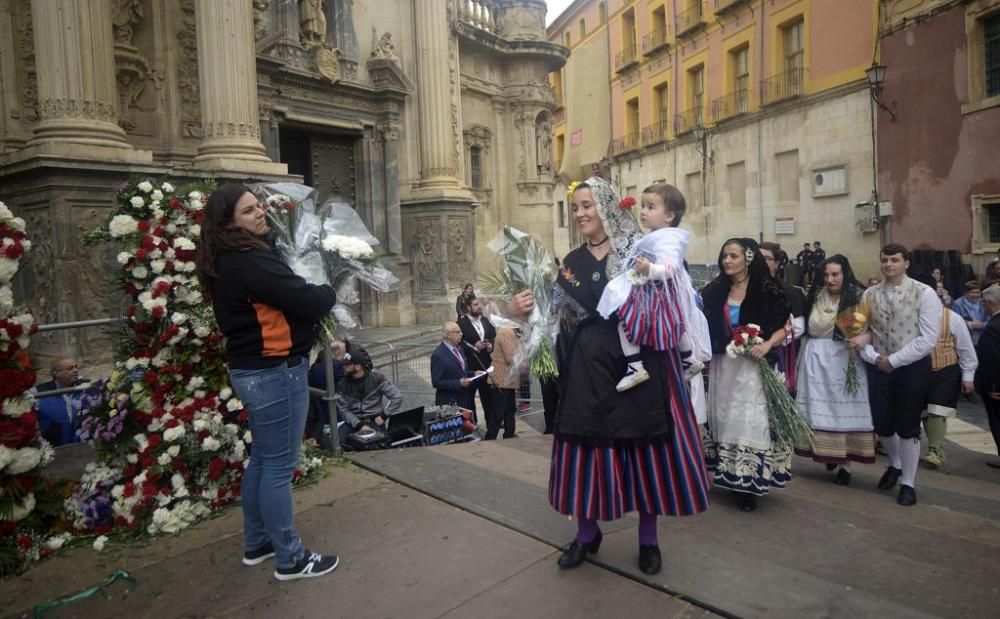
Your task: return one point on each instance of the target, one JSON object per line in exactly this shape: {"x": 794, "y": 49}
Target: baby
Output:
{"x": 654, "y": 298}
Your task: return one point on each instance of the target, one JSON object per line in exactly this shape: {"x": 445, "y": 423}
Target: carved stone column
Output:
{"x": 437, "y": 164}
{"x": 228, "y": 74}
{"x": 74, "y": 52}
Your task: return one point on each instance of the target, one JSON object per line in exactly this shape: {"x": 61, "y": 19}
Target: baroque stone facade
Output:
{"x": 387, "y": 103}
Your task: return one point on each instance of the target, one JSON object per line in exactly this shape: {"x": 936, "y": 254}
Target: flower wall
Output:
{"x": 25, "y": 494}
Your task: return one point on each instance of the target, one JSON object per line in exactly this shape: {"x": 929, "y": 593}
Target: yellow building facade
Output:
{"x": 758, "y": 110}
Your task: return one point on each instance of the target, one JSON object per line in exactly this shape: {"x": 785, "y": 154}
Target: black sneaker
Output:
{"x": 256, "y": 557}
{"x": 309, "y": 566}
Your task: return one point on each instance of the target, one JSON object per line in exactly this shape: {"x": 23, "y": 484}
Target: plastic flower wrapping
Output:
{"x": 789, "y": 429}
{"x": 327, "y": 244}
{"x": 852, "y": 322}
{"x": 527, "y": 266}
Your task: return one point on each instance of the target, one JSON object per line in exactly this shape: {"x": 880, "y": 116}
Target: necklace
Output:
{"x": 597, "y": 244}
{"x": 740, "y": 283}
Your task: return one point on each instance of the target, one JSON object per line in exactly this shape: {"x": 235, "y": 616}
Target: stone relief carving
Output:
{"x": 312, "y": 23}
{"x": 187, "y": 73}
{"x": 543, "y": 146}
{"x": 385, "y": 48}
{"x": 389, "y": 130}
{"x": 426, "y": 258}
{"x": 260, "y": 18}
{"x": 458, "y": 251}
{"x": 327, "y": 59}
{"x": 28, "y": 79}
{"x": 41, "y": 262}
{"x": 125, "y": 14}
{"x": 132, "y": 69}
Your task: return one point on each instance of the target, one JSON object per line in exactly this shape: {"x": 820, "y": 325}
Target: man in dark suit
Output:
{"x": 988, "y": 372}
{"x": 477, "y": 341}
{"x": 450, "y": 372}
{"x": 58, "y": 414}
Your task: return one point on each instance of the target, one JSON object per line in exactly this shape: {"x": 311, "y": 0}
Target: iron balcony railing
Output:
{"x": 628, "y": 58}
{"x": 690, "y": 19}
{"x": 732, "y": 104}
{"x": 687, "y": 120}
{"x": 655, "y": 41}
{"x": 782, "y": 86}
{"x": 723, "y": 6}
{"x": 656, "y": 133}
{"x": 624, "y": 144}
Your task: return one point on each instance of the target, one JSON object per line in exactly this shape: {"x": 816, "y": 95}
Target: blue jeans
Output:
{"x": 276, "y": 400}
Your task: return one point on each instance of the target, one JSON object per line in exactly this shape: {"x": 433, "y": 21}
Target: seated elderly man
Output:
{"x": 57, "y": 414}
{"x": 360, "y": 395}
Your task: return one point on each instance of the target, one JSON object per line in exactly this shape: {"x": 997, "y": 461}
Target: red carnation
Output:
{"x": 155, "y": 440}
{"x": 143, "y": 226}
{"x": 626, "y": 203}
{"x": 129, "y": 489}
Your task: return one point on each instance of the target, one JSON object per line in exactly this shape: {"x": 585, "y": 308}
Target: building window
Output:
{"x": 787, "y": 164}
{"x": 696, "y": 79}
{"x": 992, "y": 222}
{"x": 476, "y": 166}
{"x": 560, "y": 150}
{"x": 557, "y": 87}
{"x": 561, "y": 204}
{"x": 602, "y": 12}
{"x": 736, "y": 178}
{"x": 583, "y": 28}
{"x": 693, "y": 190}
{"x": 991, "y": 54}
{"x": 794, "y": 51}
{"x": 741, "y": 80}
{"x": 662, "y": 97}
{"x": 632, "y": 124}
{"x": 567, "y": 39}
{"x": 628, "y": 30}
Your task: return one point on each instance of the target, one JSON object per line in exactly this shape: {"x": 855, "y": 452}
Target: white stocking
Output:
{"x": 909, "y": 453}
{"x": 891, "y": 446}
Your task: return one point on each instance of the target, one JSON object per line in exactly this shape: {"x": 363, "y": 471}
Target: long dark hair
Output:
{"x": 850, "y": 292}
{"x": 216, "y": 237}
{"x": 764, "y": 304}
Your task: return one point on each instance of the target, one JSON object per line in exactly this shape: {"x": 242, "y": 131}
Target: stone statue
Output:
{"x": 312, "y": 22}
{"x": 385, "y": 48}
{"x": 260, "y": 22}
{"x": 543, "y": 140}
{"x": 125, "y": 14}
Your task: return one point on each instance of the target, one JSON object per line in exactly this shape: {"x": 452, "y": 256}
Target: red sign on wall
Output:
{"x": 576, "y": 138}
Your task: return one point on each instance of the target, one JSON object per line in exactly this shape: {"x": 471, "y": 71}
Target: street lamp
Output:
{"x": 876, "y": 79}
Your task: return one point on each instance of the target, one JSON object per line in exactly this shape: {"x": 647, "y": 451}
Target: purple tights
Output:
{"x": 587, "y": 529}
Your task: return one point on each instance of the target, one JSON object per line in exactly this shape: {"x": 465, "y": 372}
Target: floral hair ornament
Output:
{"x": 626, "y": 203}
{"x": 572, "y": 189}
{"x": 749, "y": 254}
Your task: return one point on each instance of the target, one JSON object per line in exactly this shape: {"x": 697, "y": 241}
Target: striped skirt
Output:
{"x": 668, "y": 477}
{"x": 651, "y": 315}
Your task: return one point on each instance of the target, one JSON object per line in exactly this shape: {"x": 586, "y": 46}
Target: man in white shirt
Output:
{"x": 478, "y": 335}
{"x": 905, "y": 322}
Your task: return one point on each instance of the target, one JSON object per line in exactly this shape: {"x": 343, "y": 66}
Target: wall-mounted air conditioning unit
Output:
{"x": 830, "y": 181}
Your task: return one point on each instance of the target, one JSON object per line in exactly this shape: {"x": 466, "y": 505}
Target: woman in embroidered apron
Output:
{"x": 613, "y": 452}
{"x": 739, "y": 445}
{"x": 842, "y": 420}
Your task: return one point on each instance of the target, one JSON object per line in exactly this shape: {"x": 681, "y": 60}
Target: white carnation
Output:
{"x": 347, "y": 247}
{"x": 173, "y": 434}
{"x": 210, "y": 444}
{"x": 17, "y": 407}
{"x": 25, "y": 459}
{"x": 194, "y": 230}
{"x": 124, "y": 257}
{"x": 21, "y": 510}
{"x": 157, "y": 195}
{"x": 140, "y": 272}
{"x": 8, "y": 268}
{"x": 137, "y": 202}
{"x": 158, "y": 265}
{"x": 6, "y": 298}
{"x": 100, "y": 543}
{"x": 174, "y": 450}
{"x": 121, "y": 225}
{"x": 145, "y": 186}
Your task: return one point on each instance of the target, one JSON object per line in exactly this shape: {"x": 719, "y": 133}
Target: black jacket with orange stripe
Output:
{"x": 266, "y": 311}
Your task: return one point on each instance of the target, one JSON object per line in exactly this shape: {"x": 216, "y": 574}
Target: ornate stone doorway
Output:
{"x": 326, "y": 161}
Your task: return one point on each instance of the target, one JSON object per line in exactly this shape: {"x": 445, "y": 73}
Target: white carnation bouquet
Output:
{"x": 328, "y": 244}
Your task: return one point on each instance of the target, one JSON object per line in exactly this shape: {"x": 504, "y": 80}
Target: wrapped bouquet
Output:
{"x": 852, "y": 322}
{"x": 788, "y": 428}
{"x": 325, "y": 245}
{"x": 527, "y": 266}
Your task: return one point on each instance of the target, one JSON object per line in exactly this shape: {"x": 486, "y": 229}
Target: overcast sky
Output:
{"x": 555, "y": 8}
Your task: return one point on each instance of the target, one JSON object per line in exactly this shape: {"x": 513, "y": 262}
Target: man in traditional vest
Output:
{"x": 905, "y": 321}
{"x": 953, "y": 369}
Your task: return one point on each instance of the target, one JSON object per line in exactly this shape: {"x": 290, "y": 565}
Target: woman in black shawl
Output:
{"x": 740, "y": 447}
{"x": 842, "y": 420}
{"x": 613, "y": 453}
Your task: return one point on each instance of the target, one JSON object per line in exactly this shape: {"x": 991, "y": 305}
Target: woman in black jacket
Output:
{"x": 741, "y": 451}
{"x": 269, "y": 317}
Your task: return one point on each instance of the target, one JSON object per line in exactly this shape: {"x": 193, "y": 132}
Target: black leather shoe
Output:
{"x": 830, "y": 466}
{"x": 650, "y": 561}
{"x": 889, "y": 478}
{"x": 578, "y": 551}
{"x": 907, "y": 496}
{"x": 843, "y": 478}
{"x": 748, "y": 502}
